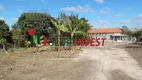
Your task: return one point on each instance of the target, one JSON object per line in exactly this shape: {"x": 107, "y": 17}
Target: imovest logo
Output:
{"x": 77, "y": 42}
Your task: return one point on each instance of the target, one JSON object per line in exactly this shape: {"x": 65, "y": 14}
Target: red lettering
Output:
{"x": 103, "y": 40}
{"x": 78, "y": 42}
{"x": 92, "y": 42}
{"x": 45, "y": 41}
{"x": 86, "y": 42}
{"x": 97, "y": 40}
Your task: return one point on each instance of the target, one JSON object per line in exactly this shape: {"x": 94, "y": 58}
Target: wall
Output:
{"x": 103, "y": 35}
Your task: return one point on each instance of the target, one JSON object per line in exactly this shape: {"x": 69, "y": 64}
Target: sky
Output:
{"x": 100, "y": 13}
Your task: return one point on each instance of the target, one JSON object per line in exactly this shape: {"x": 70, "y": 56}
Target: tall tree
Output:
{"x": 60, "y": 26}
{"x": 125, "y": 29}
{"x": 75, "y": 25}
{"x": 138, "y": 34}
{"x": 4, "y": 29}
{"x": 4, "y": 34}
{"x": 39, "y": 21}
{"x": 17, "y": 36}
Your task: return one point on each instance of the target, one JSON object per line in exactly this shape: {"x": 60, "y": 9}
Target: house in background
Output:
{"x": 108, "y": 33}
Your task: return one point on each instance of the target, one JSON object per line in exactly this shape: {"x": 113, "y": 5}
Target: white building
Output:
{"x": 108, "y": 33}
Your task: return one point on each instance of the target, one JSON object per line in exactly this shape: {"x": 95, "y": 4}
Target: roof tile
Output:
{"x": 106, "y": 30}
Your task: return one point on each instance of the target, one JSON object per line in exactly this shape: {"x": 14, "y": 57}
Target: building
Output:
{"x": 108, "y": 33}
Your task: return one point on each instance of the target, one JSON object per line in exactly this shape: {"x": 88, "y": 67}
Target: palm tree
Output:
{"x": 59, "y": 27}
{"x": 73, "y": 23}
{"x": 76, "y": 25}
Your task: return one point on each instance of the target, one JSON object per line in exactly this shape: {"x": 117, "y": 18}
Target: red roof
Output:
{"x": 106, "y": 30}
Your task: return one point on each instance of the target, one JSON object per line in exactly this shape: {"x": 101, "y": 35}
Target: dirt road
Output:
{"x": 112, "y": 64}
{"x": 92, "y": 64}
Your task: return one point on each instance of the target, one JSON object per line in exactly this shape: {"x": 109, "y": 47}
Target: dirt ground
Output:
{"x": 98, "y": 63}
{"x": 136, "y": 53}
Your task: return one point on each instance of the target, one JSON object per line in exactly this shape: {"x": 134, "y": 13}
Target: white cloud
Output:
{"x": 139, "y": 16}
{"x": 99, "y": 1}
{"x": 119, "y": 15}
{"x": 125, "y": 22}
{"x": 106, "y": 10}
{"x": 79, "y": 8}
{"x": 138, "y": 23}
{"x": 1, "y": 18}
{"x": 114, "y": 22}
{"x": 44, "y": 1}
{"x": 103, "y": 22}
{"x": 19, "y": 10}
{"x": 95, "y": 22}
{"x": 103, "y": 12}
{"x": 1, "y": 8}
{"x": 129, "y": 9}
{"x": 14, "y": 19}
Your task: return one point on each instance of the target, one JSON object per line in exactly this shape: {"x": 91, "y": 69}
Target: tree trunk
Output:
{"x": 14, "y": 46}
{"x": 4, "y": 48}
{"x": 71, "y": 41}
{"x": 59, "y": 41}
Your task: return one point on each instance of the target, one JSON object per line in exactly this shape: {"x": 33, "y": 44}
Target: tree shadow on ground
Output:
{"x": 135, "y": 51}
{"x": 119, "y": 75}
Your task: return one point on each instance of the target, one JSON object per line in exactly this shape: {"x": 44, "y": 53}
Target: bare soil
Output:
{"x": 28, "y": 65}
{"x": 136, "y": 52}
{"x": 98, "y": 63}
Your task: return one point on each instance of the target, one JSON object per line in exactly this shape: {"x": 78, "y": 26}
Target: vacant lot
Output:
{"x": 136, "y": 53}
{"x": 99, "y": 63}
{"x": 43, "y": 66}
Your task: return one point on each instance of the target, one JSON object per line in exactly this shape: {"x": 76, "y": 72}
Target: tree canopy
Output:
{"x": 39, "y": 21}
{"x": 64, "y": 26}
{"x": 4, "y": 29}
